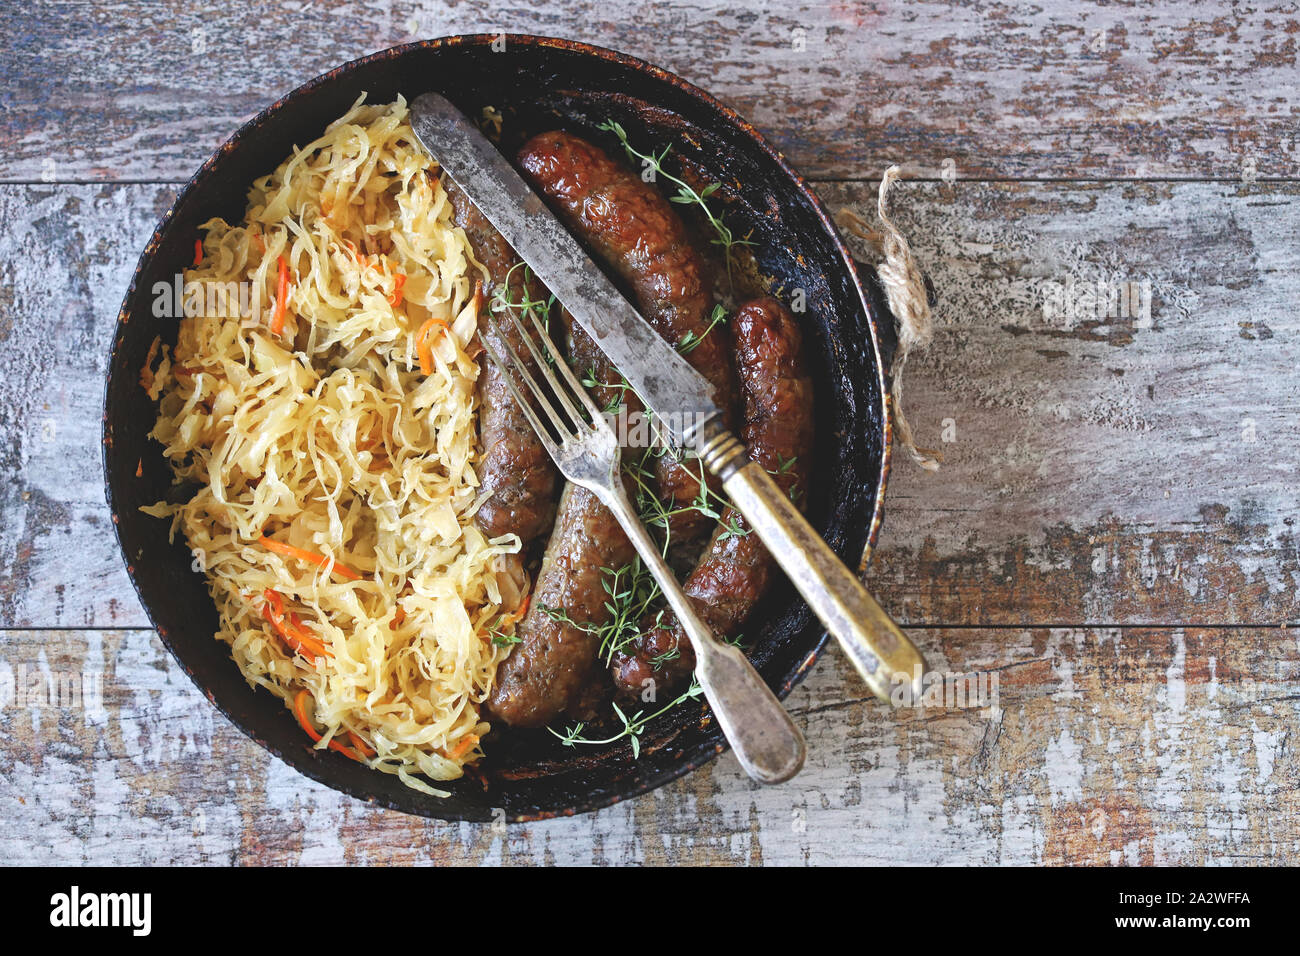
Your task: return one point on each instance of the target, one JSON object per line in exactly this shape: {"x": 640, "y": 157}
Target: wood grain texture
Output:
{"x": 1102, "y": 473}
{"x": 1105, "y": 746}
{"x": 121, "y": 90}
{"x": 1101, "y": 468}
{"x": 1111, "y": 537}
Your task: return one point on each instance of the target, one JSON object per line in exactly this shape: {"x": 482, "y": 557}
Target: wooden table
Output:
{"x": 1112, "y": 535}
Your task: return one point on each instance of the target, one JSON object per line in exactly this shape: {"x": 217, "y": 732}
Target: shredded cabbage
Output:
{"x": 329, "y": 438}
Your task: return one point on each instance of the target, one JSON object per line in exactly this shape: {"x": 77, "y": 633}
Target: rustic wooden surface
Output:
{"x": 1112, "y": 535}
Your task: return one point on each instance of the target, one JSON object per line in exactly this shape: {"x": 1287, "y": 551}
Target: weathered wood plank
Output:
{"x": 1105, "y": 746}
{"x": 133, "y": 90}
{"x": 66, "y": 260}
{"x": 1107, "y": 467}
{"x": 1103, "y": 472}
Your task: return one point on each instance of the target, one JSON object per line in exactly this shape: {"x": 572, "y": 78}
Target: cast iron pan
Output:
{"x": 537, "y": 83}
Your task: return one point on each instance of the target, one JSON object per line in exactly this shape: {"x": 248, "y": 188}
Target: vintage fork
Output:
{"x": 586, "y": 450}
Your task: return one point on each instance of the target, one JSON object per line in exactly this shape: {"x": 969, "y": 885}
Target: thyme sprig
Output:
{"x": 631, "y": 591}
{"x": 734, "y": 527}
{"x": 686, "y": 194}
{"x": 501, "y": 639}
{"x": 590, "y": 381}
{"x": 633, "y": 726}
{"x": 690, "y": 341}
{"x": 527, "y": 305}
{"x": 653, "y": 510}
{"x": 630, "y": 594}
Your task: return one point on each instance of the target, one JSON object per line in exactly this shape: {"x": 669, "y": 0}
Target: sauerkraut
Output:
{"x": 334, "y": 474}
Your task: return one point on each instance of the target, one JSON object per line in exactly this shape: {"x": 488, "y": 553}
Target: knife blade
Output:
{"x": 680, "y": 397}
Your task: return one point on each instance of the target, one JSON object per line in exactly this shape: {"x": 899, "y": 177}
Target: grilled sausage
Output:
{"x": 632, "y": 227}
{"x": 515, "y": 470}
{"x": 736, "y": 568}
{"x": 555, "y": 667}
{"x": 547, "y": 670}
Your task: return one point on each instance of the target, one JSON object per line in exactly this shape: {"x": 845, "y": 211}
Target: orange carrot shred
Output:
{"x": 146, "y": 373}
{"x": 305, "y": 638}
{"x": 198, "y": 251}
{"x": 505, "y": 620}
{"x": 520, "y": 611}
{"x": 289, "y": 551}
{"x": 300, "y": 711}
{"x": 399, "y": 280}
{"x": 281, "y": 298}
{"x": 360, "y": 745}
{"x": 467, "y": 743}
{"x": 422, "y": 347}
{"x": 299, "y": 639}
{"x": 423, "y": 350}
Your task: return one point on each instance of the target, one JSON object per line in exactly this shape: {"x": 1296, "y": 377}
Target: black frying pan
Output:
{"x": 537, "y": 83}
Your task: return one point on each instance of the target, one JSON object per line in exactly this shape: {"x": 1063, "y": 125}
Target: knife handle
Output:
{"x": 882, "y": 654}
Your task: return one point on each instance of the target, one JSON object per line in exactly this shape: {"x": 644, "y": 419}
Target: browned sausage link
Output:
{"x": 546, "y": 672}
{"x": 514, "y": 468}
{"x": 632, "y": 227}
{"x": 555, "y": 667}
{"x": 736, "y": 569}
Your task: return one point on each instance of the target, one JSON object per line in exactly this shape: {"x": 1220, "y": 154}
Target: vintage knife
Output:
{"x": 679, "y": 396}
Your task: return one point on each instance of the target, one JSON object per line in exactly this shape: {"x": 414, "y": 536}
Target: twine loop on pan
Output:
{"x": 905, "y": 290}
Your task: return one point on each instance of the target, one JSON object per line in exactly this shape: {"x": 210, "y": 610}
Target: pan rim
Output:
{"x": 315, "y": 769}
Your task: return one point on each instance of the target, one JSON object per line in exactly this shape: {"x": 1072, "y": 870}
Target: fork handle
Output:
{"x": 880, "y": 651}
{"x": 768, "y": 745}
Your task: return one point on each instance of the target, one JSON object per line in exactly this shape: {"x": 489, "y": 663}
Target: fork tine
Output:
{"x": 561, "y": 426}
{"x": 544, "y": 368}
{"x": 543, "y": 435}
{"x": 596, "y": 417}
